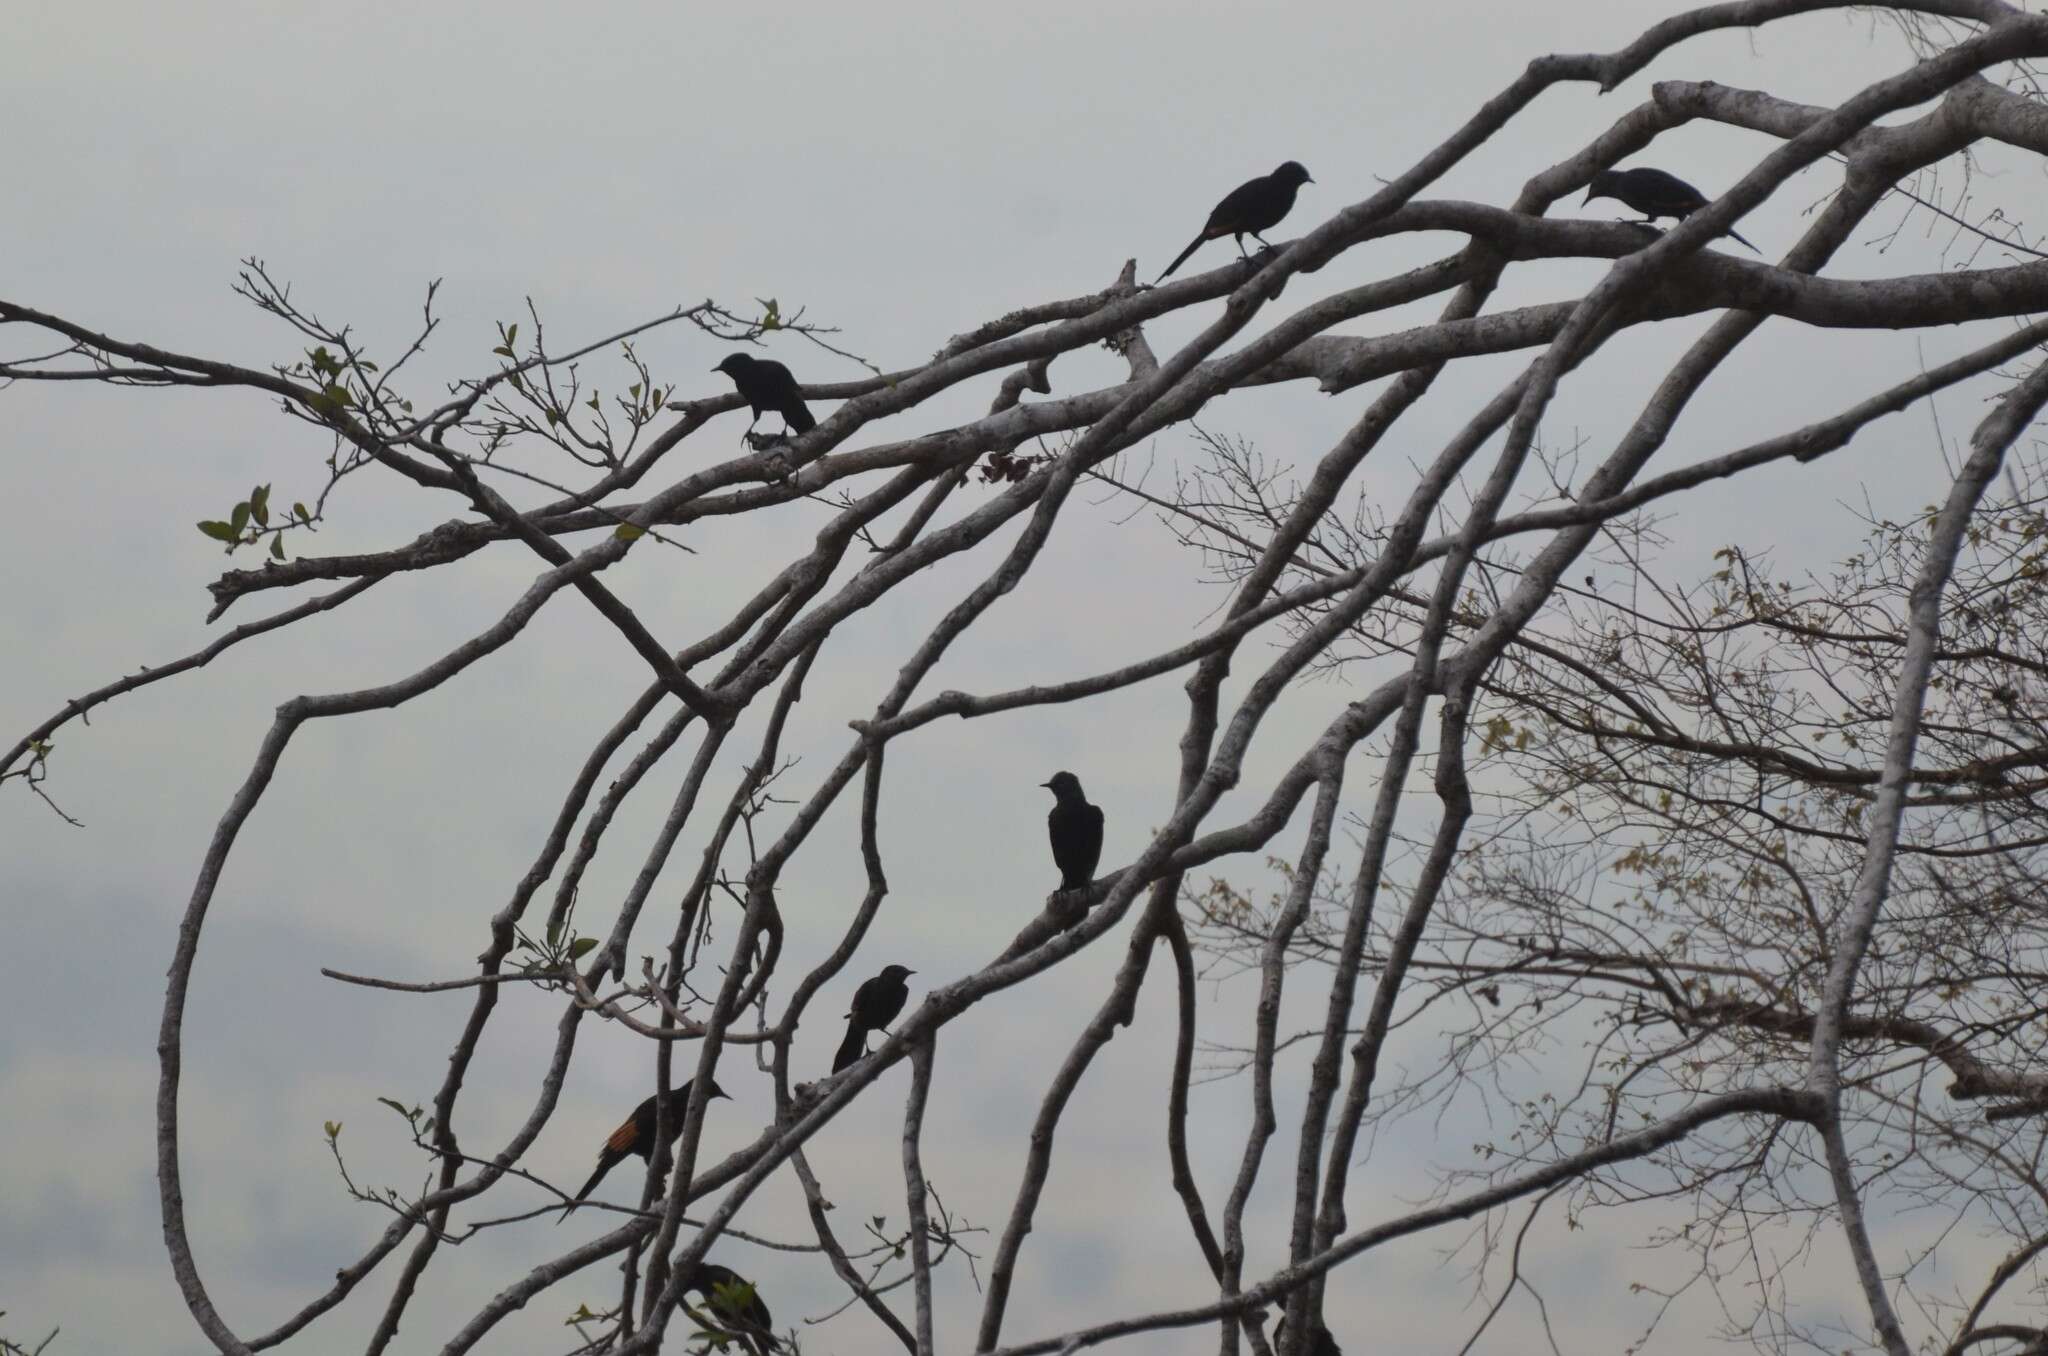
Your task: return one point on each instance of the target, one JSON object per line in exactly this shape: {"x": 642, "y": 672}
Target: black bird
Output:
{"x": 1251, "y": 207}
{"x": 875, "y": 1004}
{"x": 767, "y": 386}
{"x": 636, "y": 1137}
{"x": 1321, "y": 1343}
{"x": 1653, "y": 193}
{"x": 1076, "y": 830}
{"x": 748, "y": 1320}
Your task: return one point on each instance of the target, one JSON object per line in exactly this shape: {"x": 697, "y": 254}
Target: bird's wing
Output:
{"x": 625, "y": 1137}
{"x": 1235, "y": 204}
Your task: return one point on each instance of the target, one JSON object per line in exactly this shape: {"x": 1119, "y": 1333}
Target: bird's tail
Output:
{"x": 798, "y": 417}
{"x": 588, "y": 1187}
{"x": 1733, "y": 236}
{"x": 1193, "y": 245}
{"x": 852, "y": 1048}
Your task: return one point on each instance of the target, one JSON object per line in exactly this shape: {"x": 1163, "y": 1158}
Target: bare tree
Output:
{"x": 1764, "y": 1018}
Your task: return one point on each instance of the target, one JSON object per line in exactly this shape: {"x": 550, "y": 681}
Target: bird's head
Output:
{"x": 1294, "y": 173}
{"x": 734, "y": 364}
{"x": 1603, "y": 186}
{"x": 897, "y": 972}
{"x": 1063, "y": 785}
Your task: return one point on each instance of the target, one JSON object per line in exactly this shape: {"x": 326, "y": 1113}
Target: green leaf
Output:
{"x": 629, "y": 532}
{"x": 218, "y": 530}
{"x": 511, "y": 336}
{"x": 502, "y": 351}
{"x": 277, "y": 548}
{"x": 239, "y": 519}
{"x": 582, "y": 947}
{"x": 399, "y": 1107}
{"x": 333, "y": 1129}
{"x": 259, "y": 505}
{"x": 554, "y": 934}
{"x": 300, "y": 510}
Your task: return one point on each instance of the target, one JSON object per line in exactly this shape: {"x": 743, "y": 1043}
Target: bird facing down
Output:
{"x": 635, "y": 1137}
{"x": 748, "y": 1318}
{"x": 1075, "y": 827}
{"x": 1254, "y": 206}
{"x": 875, "y": 1004}
{"x": 767, "y": 385}
{"x": 1653, "y": 193}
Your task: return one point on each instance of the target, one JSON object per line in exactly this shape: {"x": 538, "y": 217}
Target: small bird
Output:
{"x": 1653, "y": 193}
{"x": 875, "y": 1004}
{"x": 1076, "y": 830}
{"x": 636, "y": 1136}
{"x": 747, "y": 1318}
{"x": 1253, "y": 206}
{"x": 767, "y": 386}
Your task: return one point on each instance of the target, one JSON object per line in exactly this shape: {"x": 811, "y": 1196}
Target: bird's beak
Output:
{"x": 910, "y": 972}
{"x": 1046, "y": 785}
{"x": 713, "y": 369}
{"x": 1311, "y": 178}
{"x": 1589, "y": 196}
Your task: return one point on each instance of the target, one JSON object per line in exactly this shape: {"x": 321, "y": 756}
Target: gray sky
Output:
{"x": 904, "y": 172}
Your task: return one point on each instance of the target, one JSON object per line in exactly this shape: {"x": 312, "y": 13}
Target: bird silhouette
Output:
{"x": 767, "y": 385}
{"x": 1321, "y": 1343}
{"x": 875, "y": 1004}
{"x": 1075, "y": 827}
{"x": 1653, "y": 193}
{"x": 1253, "y": 206}
{"x": 736, "y": 1305}
{"x": 635, "y": 1137}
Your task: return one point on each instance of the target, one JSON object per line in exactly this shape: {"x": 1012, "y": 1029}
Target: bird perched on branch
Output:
{"x": 636, "y": 1136}
{"x": 1248, "y": 209}
{"x": 1076, "y": 830}
{"x": 735, "y": 1305}
{"x": 1653, "y": 193}
{"x": 767, "y": 385}
{"x": 875, "y": 1004}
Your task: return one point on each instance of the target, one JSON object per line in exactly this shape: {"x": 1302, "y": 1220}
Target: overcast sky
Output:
{"x": 903, "y": 172}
